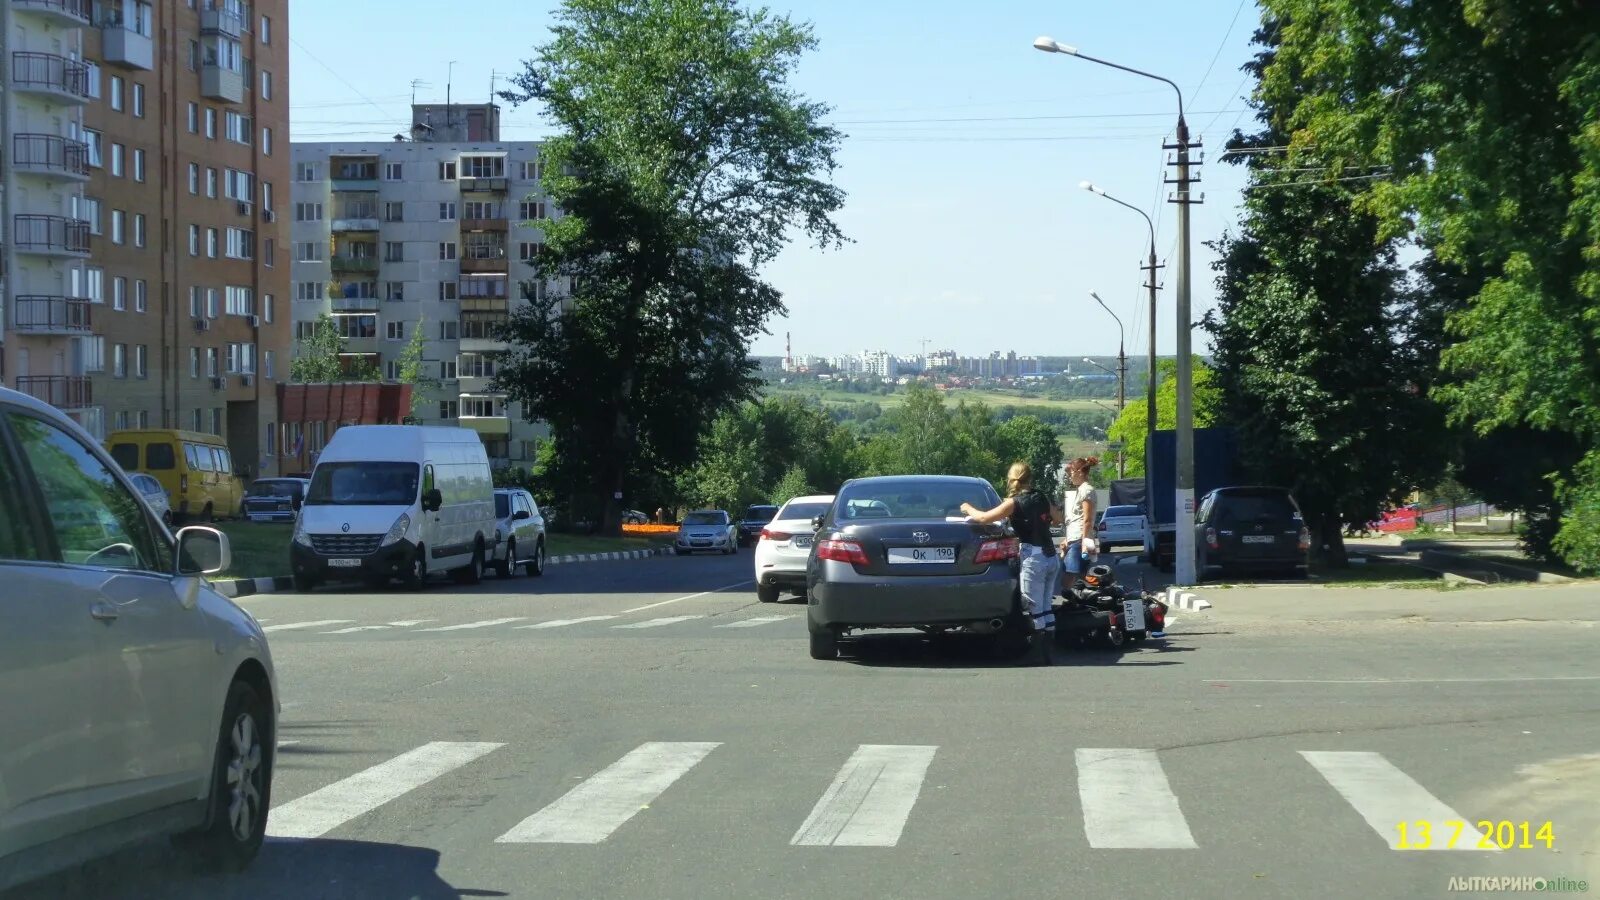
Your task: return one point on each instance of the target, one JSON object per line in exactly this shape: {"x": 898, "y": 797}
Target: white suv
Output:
{"x": 785, "y": 546}
{"x": 135, "y": 700}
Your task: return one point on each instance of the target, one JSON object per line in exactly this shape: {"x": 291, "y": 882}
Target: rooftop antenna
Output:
{"x": 417, "y": 83}
{"x": 449, "y": 111}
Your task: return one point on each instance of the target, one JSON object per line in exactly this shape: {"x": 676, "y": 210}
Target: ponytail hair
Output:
{"x": 1019, "y": 478}
{"x": 1083, "y": 464}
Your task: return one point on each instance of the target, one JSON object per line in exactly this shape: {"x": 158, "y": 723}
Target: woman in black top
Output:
{"x": 1031, "y": 514}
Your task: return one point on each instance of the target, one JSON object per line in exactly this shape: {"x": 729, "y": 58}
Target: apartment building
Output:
{"x": 146, "y": 139}
{"x": 428, "y": 231}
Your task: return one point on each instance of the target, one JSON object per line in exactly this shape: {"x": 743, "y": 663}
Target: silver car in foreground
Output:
{"x": 518, "y": 534}
{"x": 135, "y": 701}
{"x": 706, "y": 529}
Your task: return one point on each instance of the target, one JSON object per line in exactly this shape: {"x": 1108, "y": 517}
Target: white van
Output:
{"x": 396, "y": 501}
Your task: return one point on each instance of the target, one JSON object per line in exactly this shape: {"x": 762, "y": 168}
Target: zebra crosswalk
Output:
{"x": 872, "y": 799}
{"x": 352, "y": 627}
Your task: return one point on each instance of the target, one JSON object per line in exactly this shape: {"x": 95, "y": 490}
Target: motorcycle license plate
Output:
{"x": 1132, "y": 615}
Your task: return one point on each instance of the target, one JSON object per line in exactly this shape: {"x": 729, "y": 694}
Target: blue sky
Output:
{"x": 963, "y": 202}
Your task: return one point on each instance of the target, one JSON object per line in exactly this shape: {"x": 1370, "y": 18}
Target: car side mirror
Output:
{"x": 202, "y": 551}
{"x": 520, "y": 514}
{"x": 816, "y": 524}
{"x": 432, "y": 500}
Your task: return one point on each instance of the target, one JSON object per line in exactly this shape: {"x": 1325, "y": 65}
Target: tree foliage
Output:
{"x": 318, "y": 359}
{"x": 1130, "y": 427}
{"x": 684, "y": 160}
{"x": 413, "y": 370}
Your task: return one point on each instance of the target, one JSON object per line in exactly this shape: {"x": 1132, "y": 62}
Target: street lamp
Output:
{"x": 1150, "y": 373}
{"x": 1183, "y": 494}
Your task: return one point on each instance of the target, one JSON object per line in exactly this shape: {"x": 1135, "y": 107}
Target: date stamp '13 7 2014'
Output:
{"x": 1488, "y": 835}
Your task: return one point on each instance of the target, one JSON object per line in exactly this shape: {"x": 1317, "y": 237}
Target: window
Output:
{"x": 394, "y": 290}
{"x": 93, "y": 513}
{"x": 447, "y": 213}
{"x": 141, "y": 361}
{"x": 119, "y": 360}
{"x": 211, "y": 303}
{"x": 266, "y": 141}
{"x": 393, "y": 171}
{"x": 212, "y": 361}
{"x": 308, "y": 251}
{"x": 447, "y": 370}
{"x": 447, "y": 250}
{"x": 91, "y": 214}
{"x": 305, "y": 172}
{"x": 194, "y": 240}
{"x": 194, "y": 178}
{"x": 308, "y": 290}
{"x": 194, "y": 63}
{"x": 394, "y": 251}
{"x": 194, "y": 302}
{"x": 269, "y": 253}
{"x": 119, "y": 292}
{"x": 241, "y": 301}
{"x": 116, "y": 93}
{"x": 481, "y": 406}
{"x": 394, "y": 331}
{"x": 476, "y": 365}
{"x": 237, "y": 185}
{"x": 138, "y": 165}
{"x": 449, "y": 409}
{"x": 211, "y": 123}
{"x": 532, "y": 170}
{"x": 483, "y": 166}
{"x": 237, "y": 128}
{"x": 118, "y": 152}
{"x": 308, "y": 212}
{"x": 216, "y": 420}
{"x": 144, "y": 418}
{"x": 94, "y": 286}
{"x": 266, "y": 308}
{"x": 211, "y": 183}
{"x": 532, "y": 210}
{"x": 194, "y": 362}
{"x": 475, "y": 209}
{"x": 528, "y": 251}
{"x": 94, "y": 78}
{"x": 391, "y": 370}
{"x": 141, "y": 296}
{"x": 138, "y": 229}
{"x": 138, "y": 100}
{"x": 95, "y": 140}
{"x": 447, "y": 290}
{"x": 447, "y": 171}
{"x": 194, "y": 117}
{"x": 266, "y": 85}
{"x": 304, "y": 331}
{"x": 266, "y": 195}
{"x": 267, "y": 367}
{"x": 265, "y": 31}
{"x": 447, "y": 331}
{"x": 211, "y": 243}
{"x": 122, "y": 425}
{"x": 196, "y": 419}
{"x": 119, "y": 222}
{"x": 394, "y": 211}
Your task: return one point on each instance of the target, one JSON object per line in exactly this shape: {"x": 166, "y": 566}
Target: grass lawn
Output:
{"x": 564, "y": 544}
{"x": 1374, "y": 574}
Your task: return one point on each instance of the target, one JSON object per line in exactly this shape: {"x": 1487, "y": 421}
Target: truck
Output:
{"x": 1214, "y": 466}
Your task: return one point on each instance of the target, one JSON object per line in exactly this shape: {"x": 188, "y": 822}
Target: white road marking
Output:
{"x": 758, "y": 620}
{"x": 402, "y": 624}
{"x": 590, "y": 812}
{"x": 692, "y": 596}
{"x": 282, "y": 744}
{"x": 486, "y": 623}
{"x": 410, "y": 623}
{"x": 1127, "y": 802}
{"x": 1386, "y": 796}
{"x": 323, "y": 810}
{"x": 869, "y": 800}
{"x": 320, "y": 623}
{"x": 1512, "y": 678}
{"x": 558, "y": 623}
{"x": 657, "y": 623}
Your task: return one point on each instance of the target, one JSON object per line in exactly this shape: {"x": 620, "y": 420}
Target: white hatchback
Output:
{"x": 136, "y": 701}
{"x": 1121, "y": 526}
{"x": 785, "y": 547}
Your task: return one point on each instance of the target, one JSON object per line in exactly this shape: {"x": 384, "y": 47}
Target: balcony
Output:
{"x": 65, "y": 13}
{"x": 484, "y": 264}
{"x": 50, "y": 75}
{"x": 495, "y": 221}
{"x": 51, "y": 236}
{"x": 365, "y": 264}
{"x": 356, "y": 217}
{"x": 221, "y": 83}
{"x": 41, "y": 314}
{"x": 60, "y": 391}
{"x": 474, "y": 384}
{"x": 493, "y": 426}
{"x": 50, "y": 155}
{"x": 497, "y": 185}
{"x": 343, "y": 183}
{"x": 226, "y": 22}
{"x": 122, "y": 46}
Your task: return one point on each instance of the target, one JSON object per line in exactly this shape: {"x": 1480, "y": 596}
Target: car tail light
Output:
{"x": 768, "y": 534}
{"x": 1305, "y": 538}
{"x": 995, "y": 551}
{"x": 1211, "y": 538}
{"x": 842, "y": 551}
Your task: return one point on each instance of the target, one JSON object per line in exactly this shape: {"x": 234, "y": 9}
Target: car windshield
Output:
{"x": 502, "y": 506}
{"x": 913, "y": 499}
{"x": 274, "y": 489}
{"x": 363, "y": 484}
{"x": 706, "y": 518}
{"x": 805, "y": 511}
{"x": 760, "y": 513}
{"x": 1123, "y": 511}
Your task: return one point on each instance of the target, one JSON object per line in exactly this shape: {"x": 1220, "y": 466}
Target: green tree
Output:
{"x": 1131, "y": 425}
{"x": 924, "y": 438}
{"x": 684, "y": 159}
{"x": 1028, "y": 439}
{"x": 793, "y": 484}
{"x": 318, "y": 359}
{"x": 415, "y": 372}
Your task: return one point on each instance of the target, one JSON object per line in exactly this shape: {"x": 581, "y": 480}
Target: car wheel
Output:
{"x": 507, "y": 567}
{"x": 304, "y": 584}
{"x": 824, "y": 643}
{"x": 241, "y": 786}
{"x": 417, "y": 578}
{"x": 767, "y": 593}
{"x": 472, "y": 573}
{"x": 536, "y": 565}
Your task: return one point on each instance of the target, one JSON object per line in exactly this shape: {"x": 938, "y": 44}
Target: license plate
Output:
{"x": 922, "y": 555}
{"x": 345, "y": 563}
{"x": 1259, "y": 539}
{"x": 1132, "y": 615}
{"x": 802, "y": 542}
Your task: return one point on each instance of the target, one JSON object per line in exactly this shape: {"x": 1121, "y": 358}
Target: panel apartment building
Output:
{"x": 143, "y": 142}
{"x": 428, "y": 232}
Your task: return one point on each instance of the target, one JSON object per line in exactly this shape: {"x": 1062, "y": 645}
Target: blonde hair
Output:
{"x": 1018, "y": 478}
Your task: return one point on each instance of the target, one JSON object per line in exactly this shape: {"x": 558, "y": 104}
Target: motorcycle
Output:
{"x": 1100, "y": 611}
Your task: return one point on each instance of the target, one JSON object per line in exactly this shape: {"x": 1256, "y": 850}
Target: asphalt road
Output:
{"x": 648, "y": 729}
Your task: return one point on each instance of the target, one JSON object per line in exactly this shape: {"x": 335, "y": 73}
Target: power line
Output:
{"x": 353, "y": 88}
{"x": 1306, "y": 183}
{"x": 1220, "y": 47}
{"x": 1018, "y": 118}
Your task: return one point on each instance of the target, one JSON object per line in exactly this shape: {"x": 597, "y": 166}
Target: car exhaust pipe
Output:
{"x": 997, "y": 624}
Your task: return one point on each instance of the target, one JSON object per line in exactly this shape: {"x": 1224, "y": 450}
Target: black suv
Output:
{"x": 755, "y": 519}
{"x": 1255, "y": 529}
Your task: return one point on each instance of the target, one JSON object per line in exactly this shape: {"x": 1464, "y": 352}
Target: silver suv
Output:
{"x": 136, "y": 700}
{"x": 518, "y": 533}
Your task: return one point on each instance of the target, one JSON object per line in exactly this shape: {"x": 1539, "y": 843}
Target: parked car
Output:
{"x": 755, "y": 518}
{"x": 1251, "y": 529}
{"x": 275, "y": 499}
{"x": 635, "y": 517}
{"x": 705, "y": 529}
{"x": 783, "y": 547}
{"x": 518, "y": 533}
{"x": 196, "y": 469}
{"x": 1121, "y": 526}
{"x": 137, "y": 700}
{"x": 155, "y": 496}
{"x": 897, "y": 552}
{"x": 396, "y": 501}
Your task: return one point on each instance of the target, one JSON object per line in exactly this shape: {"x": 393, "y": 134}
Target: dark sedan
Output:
{"x": 275, "y": 499}
{"x": 896, "y": 552}
{"x": 755, "y": 519}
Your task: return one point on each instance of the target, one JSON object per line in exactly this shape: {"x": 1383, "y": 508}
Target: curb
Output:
{"x": 1185, "y": 600}
{"x": 249, "y": 587}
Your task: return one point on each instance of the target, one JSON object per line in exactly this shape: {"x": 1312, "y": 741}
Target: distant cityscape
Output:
{"x": 882, "y": 364}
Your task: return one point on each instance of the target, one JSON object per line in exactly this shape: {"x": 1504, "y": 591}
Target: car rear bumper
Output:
{"x": 933, "y": 600}
{"x": 392, "y": 561}
{"x": 1249, "y": 563}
